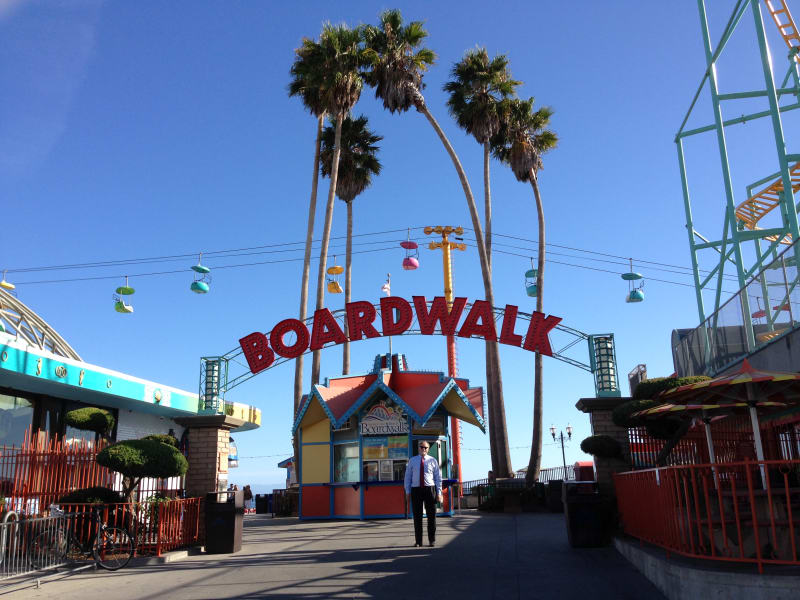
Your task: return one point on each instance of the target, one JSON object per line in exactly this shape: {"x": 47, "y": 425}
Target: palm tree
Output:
{"x": 358, "y": 162}
{"x": 477, "y": 87}
{"x": 301, "y": 85}
{"x": 521, "y": 142}
{"x": 396, "y": 66}
{"x": 340, "y": 58}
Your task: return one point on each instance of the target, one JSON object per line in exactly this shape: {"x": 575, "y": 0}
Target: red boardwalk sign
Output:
{"x": 397, "y": 315}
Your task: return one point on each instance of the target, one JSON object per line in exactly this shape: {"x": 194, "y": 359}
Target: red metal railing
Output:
{"x": 156, "y": 527}
{"x": 745, "y": 511}
{"x": 40, "y": 471}
{"x": 732, "y": 438}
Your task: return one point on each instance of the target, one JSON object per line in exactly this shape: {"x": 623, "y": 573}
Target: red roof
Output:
{"x": 341, "y": 394}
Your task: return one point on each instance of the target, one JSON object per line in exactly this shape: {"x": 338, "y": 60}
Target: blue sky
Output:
{"x": 149, "y": 129}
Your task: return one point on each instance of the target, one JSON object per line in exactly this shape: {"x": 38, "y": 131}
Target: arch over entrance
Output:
{"x": 259, "y": 352}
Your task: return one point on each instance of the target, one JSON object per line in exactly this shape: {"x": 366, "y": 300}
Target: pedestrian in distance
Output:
{"x": 423, "y": 482}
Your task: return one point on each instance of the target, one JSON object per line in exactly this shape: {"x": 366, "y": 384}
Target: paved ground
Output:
{"x": 477, "y": 556}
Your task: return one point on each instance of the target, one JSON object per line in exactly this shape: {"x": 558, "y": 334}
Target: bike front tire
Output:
{"x": 113, "y": 548}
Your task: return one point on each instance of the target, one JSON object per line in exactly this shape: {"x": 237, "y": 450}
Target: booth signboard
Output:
{"x": 398, "y": 446}
{"x": 382, "y": 419}
{"x": 375, "y": 447}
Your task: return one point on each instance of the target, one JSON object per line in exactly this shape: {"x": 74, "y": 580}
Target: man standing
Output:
{"x": 423, "y": 480}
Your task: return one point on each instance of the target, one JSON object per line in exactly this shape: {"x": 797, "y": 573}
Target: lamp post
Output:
{"x": 561, "y": 437}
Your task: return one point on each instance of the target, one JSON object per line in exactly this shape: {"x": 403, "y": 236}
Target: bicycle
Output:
{"x": 111, "y": 548}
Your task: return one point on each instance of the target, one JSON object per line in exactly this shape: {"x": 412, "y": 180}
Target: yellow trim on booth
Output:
{"x": 316, "y": 463}
{"x": 318, "y": 432}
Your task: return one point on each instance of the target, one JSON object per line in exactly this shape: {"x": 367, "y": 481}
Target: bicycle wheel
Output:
{"x": 113, "y": 548}
{"x": 48, "y": 549}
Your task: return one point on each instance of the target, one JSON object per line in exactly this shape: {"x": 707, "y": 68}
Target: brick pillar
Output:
{"x": 208, "y": 452}
{"x": 599, "y": 411}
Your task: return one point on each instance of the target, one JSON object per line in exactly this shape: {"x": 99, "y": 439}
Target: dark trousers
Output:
{"x": 420, "y": 495}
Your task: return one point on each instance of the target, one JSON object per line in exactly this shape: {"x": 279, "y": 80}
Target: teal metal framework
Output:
{"x": 736, "y": 232}
{"x": 220, "y": 374}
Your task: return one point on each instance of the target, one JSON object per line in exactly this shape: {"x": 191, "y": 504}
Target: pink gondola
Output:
{"x": 411, "y": 261}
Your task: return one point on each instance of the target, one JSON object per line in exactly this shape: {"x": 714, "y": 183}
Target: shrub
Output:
{"x": 644, "y": 398}
{"x": 135, "y": 459}
{"x": 602, "y": 446}
{"x": 164, "y": 438}
{"x": 91, "y": 418}
{"x": 92, "y": 495}
{"x": 650, "y": 388}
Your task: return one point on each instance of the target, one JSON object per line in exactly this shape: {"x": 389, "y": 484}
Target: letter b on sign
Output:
{"x": 257, "y": 351}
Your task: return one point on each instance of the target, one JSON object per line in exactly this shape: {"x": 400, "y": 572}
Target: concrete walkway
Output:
{"x": 477, "y": 556}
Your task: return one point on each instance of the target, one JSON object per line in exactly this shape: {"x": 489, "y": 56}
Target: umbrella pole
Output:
{"x": 756, "y": 434}
{"x": 712, "y": 458}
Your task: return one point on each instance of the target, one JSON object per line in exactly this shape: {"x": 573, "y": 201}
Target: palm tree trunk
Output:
{"x": 535, "y": 461}
{"x": 487, "y": 212}
{"x": 347, "y": 290}
{"x": 312, "y": 210}
{"x": 498, "y": 432}
{"x": 326, "y": 236}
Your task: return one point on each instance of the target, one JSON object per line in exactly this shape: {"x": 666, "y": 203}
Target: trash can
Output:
{"x": 262, "y": 504}
{"x": 224, "y": 516}
{"x": 588, "y": 517}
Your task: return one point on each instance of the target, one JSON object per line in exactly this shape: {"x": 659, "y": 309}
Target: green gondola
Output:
{"x": 201, "y": 282}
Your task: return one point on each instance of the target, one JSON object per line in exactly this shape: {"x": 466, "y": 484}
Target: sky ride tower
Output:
{"x": 759, "y": 180}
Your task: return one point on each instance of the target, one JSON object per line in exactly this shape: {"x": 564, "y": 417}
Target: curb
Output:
{"x": 169, "y": 557}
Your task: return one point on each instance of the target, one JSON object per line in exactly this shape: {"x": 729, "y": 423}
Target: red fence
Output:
{"x": 732, "y": 438}
{"x": 39, "y": 472}
{"x": 743, "y": 512}
{"x": 156, "y": 526}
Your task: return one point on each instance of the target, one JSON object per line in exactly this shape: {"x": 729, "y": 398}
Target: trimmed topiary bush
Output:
{"x": 650, "y": 388}
{"x": 164, "y": 438}
{"x": 91, "y": 418}
{"x": 92, "y": 495}
{"x": 136, "y": 459}
{"x": 602, "y": 446}
{"x": 644, "y": 398}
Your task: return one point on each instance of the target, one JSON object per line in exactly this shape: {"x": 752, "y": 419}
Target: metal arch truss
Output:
{"x": 742, "y": 214}
{"x": 231, "y": 369}
{"x": 19, "y": 320}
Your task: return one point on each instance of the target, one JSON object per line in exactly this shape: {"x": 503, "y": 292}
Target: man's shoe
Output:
{"x": 431, "y": 544}
{"x": 417, "y": 545}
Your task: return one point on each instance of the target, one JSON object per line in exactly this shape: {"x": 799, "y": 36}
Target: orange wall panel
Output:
{"x": 346, "y": 501}
{"x": 384, "y": 500}
{"x": 315, "y": 501}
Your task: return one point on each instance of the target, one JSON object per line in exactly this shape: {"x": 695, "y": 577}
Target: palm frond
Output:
{"x": 358, "y": 161}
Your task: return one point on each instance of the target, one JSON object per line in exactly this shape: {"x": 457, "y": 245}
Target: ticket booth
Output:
{"x": 357, "y": 433}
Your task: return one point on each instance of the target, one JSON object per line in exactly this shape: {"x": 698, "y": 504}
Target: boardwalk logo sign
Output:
{"x": 396, "y": 318}
{"x": 383, "y": 420}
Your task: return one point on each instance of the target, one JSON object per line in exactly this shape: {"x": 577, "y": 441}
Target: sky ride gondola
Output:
{"x": 119, "y": 301}
{"x": 411, "y": 260}
{"x": 6, "y": 285}
{"x": 333, "y": 281}
{"x": 531, "y": 277}
{"x": 635, "y": 293}
{"x": 202, "y": 279}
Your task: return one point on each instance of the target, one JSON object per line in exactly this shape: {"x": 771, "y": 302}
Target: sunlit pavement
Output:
{"x": 476, "y": 556}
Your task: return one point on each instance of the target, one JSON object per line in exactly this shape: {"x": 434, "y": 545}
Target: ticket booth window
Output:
{"x": 345, "y": 462}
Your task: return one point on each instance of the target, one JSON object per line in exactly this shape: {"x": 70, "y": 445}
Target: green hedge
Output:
{"x": 644, "y": 398}
{"x": 143, "y": 458}
{"x": 164, "y": 438}
{"x": 91, "y": 418}
{"x": 92, "y": 495}
{"x": 602, "y": 446}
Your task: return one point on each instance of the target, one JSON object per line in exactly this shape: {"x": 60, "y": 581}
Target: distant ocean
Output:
{"x": 259, "y": 488}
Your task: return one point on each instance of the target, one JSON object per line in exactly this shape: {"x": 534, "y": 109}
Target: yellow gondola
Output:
{"x": 6, "y": 285}
{"x": 333, "y": 280}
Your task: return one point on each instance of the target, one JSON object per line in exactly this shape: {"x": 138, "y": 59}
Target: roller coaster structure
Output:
{"x": 742, "y": 221}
